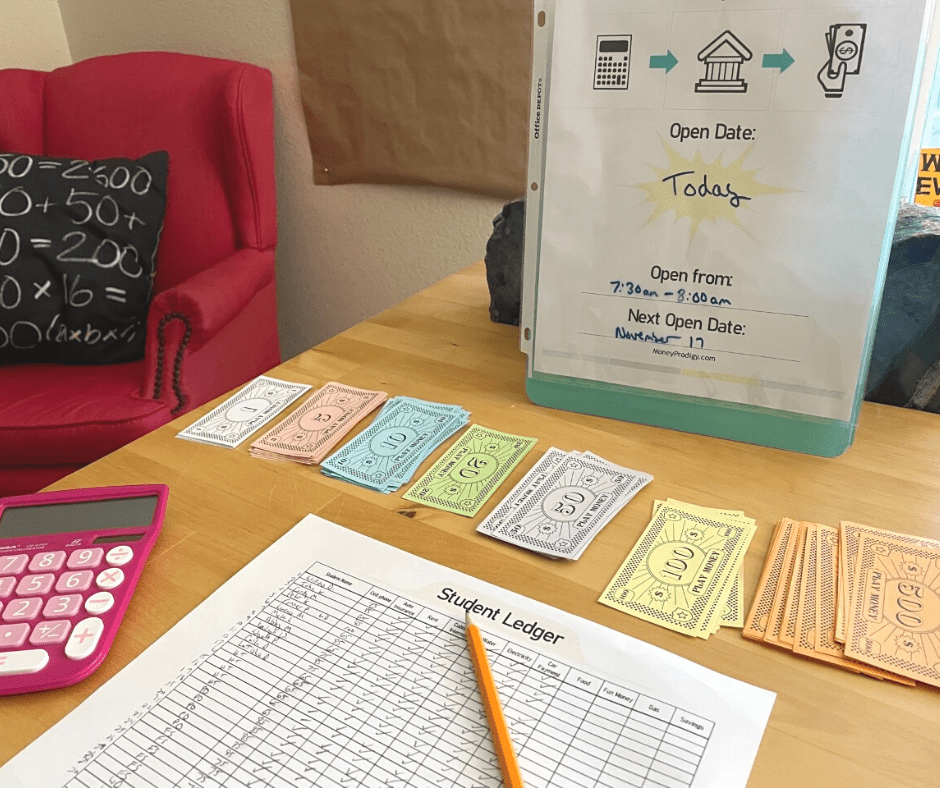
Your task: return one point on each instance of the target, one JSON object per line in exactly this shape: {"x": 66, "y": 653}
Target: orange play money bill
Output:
{"x": 827, "y": 648}
{"x": 758, "y": 618}
{"x": 848, "y": 548}
{"x": 787, "y": 632}
{"x": 805, "y": 640}
{"x": 893, "y": 619}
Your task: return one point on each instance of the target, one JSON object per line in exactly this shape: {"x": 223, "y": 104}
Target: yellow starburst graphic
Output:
{"x": 703, "y": 191}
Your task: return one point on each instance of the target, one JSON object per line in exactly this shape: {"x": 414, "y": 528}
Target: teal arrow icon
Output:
{"x": 667, "y": 61}
{"x": 783, "y": 61}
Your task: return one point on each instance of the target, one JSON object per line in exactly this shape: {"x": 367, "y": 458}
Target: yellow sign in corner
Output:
{"x": 927, "y": 186}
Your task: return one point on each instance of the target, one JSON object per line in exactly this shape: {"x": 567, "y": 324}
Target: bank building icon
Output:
{"x": 723, "y": 58}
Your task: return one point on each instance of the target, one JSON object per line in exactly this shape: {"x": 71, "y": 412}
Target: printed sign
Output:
{"x": 927, "y": 191}
{"x": 716, "y": 194}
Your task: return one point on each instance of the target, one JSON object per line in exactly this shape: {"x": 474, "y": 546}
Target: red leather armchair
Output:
{"x": 212, "y": 323}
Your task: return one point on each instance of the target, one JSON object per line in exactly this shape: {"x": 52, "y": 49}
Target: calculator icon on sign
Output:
{"x": 612, "y": 62}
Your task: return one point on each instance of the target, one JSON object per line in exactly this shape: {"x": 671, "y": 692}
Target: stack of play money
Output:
{"x": 685, "y": 571}
{"x": 861, "y": 598}
{"x": 562, "y": 503}
{"x": 386, "y": 454}
{"x": 469, "y": 472}
{"x": 313, "y": 430}
{"x": 250, "y": 408}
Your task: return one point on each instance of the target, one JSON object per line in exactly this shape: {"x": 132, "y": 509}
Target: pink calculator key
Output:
{"x": 21, "y": 609}
{"x": 7, "y": 584}
{"x": 62, "y": 606}
{"x": 87, "y": 558}
{"x": 13, "y": 635}
{"x": 35, "y": 585}
{"x": 47, "y": 562}
{"x": 12, "y": 564}
{"x": 74, "y": 581}
{"x": 50, "y": 632}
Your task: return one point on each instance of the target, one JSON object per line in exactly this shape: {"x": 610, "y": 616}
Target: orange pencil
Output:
{"x": 502, "y": 742}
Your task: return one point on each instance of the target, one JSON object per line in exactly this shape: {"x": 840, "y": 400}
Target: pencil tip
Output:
{"x": 468, "y": 620}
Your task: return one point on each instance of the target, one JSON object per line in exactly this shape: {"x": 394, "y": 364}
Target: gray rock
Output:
{"x": 916, "y": 222}
{"x": 504, "y": 263}
{"x": 905, "y": 355}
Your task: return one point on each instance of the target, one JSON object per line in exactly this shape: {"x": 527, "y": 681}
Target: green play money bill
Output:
{"x": 468, "y": 473}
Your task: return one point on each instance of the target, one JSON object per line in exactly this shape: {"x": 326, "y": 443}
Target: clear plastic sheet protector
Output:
{"x": 713, "y": 186}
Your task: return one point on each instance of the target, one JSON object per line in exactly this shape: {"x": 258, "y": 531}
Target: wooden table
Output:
{"x": 828, "y": 727}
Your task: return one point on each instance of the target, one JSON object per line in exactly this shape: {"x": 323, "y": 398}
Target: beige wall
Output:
{"x": 344, "y": 252}
{"x": 32, "y": 35}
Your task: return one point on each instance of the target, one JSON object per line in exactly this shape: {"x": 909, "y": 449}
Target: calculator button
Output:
{"x": 88, "y": 558}
{"x": 50, "y": 632}
{"x": 120, "y": 555}
{"x": 7, "y": 584}
{"x": 47, "y": 562}
{"x": 74, "y": 581}
{"x": 12, "y": 564}
{"x": 18, "y": 662}
{"x": 62, "y": 606}
{"x": 21, "y": 609}
{"x": 110, "y": 578}
{"x": 34, "y": 585}
{"x": 84, "y": 638}
{"x": 99, "y": 603}
{"x": 13, "y": 635}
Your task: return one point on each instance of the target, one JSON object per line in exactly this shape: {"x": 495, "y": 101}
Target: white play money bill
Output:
{"x": 244, "y": 412}
{"x": 522, "y": 491}
{"x": 565, "y": 511}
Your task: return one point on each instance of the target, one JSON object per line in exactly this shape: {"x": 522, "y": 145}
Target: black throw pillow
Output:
{"x": 78, "y": 248}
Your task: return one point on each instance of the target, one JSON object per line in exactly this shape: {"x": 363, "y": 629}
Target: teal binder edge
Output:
{"x": 715, "y": 418}
{"x": 748, "y": 424}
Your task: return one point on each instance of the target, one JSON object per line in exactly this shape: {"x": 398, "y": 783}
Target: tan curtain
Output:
{"x": 416, "y": 91}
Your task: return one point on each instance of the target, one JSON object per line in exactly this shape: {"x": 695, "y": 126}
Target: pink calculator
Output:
{"x": 69, "y": 563}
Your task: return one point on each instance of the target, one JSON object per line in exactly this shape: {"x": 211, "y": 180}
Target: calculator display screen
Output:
{"x": 55, "y": 518}
{"x": 615, "y": 46}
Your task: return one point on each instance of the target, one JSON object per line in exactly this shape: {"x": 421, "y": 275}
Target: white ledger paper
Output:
{"x": 336, "y": 660}
{"x": 719, "y": 181}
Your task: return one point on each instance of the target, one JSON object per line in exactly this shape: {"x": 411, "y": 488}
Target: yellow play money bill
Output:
{"x": 732, "y": 613}
{"x": 680, "y": 572}
{"x": 470, "y": 471}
